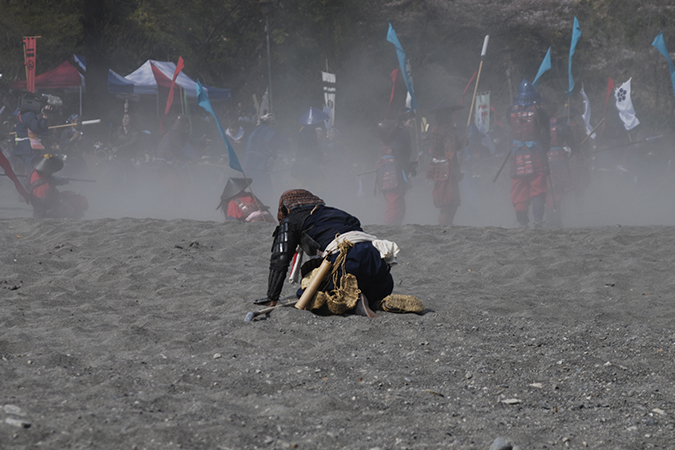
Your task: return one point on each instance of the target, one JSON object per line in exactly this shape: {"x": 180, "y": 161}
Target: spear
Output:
{"x": 480, "y": 67}
{"x": 84, "y": 122}
{"x": 63, "y": 125}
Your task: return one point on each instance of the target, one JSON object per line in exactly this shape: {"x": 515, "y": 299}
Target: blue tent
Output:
{"x": 117, "y": 84}
{"x": 152, "y": 74}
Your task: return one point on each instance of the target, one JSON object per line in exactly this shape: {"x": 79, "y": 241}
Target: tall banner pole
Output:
{"x": 480, "y": 68}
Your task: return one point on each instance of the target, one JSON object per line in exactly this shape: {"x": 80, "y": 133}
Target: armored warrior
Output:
{"x": 563, "y": 143}
{"x": 31, "y": 125}
{"x": 360, "y": 281}
{"x": 309, "y": 157}
{"x": 444, "y": 168}
{"x": 46, "y": 200}
{"x": 242, "y": 206}
{"x": 529, "y": 162}
{"x": 394, "y": 168}
{"x": 262, "y": 147}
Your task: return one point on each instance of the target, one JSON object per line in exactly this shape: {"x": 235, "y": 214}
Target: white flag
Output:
{"x": 264, "y": 104}
{"x": 329, "y": 97}
{"x": 587, "y": 114}
{"x": 408, "y": 97}
{"x": 483, "y": 112}
{"x": 483, "y": 120}
{"x": 625, "y": 106}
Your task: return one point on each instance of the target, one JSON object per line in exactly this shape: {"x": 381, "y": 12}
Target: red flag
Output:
{"x": 394, "y": 77}
{"x": 610, "y": 89}
{"x": 169, "y": 101}
{"x": 29, "y": 61}
{"x": 467, "y": 86}
{"x": 4, "y": 163}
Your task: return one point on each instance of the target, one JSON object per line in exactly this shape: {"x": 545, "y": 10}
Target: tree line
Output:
{"x": 223, "y": 44}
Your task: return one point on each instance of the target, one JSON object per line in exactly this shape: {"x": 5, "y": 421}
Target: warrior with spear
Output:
{"x": 529, "y": 161}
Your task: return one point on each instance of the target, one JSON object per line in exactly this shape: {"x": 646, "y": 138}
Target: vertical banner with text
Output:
{"x": 329, "y": 95}
{"x": 29, "y": 45}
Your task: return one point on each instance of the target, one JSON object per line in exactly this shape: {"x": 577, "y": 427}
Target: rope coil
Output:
{"x": 340, "y": 262}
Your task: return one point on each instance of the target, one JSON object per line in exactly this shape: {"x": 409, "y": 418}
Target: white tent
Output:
{"x": 152, "y": 74}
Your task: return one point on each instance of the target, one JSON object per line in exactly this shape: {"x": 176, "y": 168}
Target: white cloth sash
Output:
{"x": 388, "y": 249}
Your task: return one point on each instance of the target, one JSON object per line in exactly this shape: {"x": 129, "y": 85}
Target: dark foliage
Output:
{"x": 223, "y": 44}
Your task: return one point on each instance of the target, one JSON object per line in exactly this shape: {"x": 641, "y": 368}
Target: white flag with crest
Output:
{"x": 587, "y": 114}
{"x": 625, "y": 106}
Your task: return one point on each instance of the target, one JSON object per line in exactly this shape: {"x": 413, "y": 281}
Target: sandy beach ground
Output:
{"x": 129, "y": 333}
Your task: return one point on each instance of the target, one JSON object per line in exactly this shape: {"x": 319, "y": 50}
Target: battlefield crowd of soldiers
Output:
{"x": 550, "y": 157}
{"x": 545, "y": 150}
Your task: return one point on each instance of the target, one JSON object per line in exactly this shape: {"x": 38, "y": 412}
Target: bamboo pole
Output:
{"x": 475, "y": 89}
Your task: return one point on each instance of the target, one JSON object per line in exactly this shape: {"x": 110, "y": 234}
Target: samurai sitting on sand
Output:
{"x": 47, "y": 201}
{"x": 242, "y": 206}
{"x": 358, "y": 280}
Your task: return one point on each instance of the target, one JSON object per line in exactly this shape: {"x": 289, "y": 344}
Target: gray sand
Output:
{"x": 130, "y": 333}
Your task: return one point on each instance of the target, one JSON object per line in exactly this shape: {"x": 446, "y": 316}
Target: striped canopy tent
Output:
{"x": 152, "y": 74}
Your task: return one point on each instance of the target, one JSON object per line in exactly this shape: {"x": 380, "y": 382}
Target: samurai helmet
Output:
{"x": 234, "y": 187}
{"x": 527, "y": 94}
{"x": 295, "y": 198}
{"x": 47, "y": 163}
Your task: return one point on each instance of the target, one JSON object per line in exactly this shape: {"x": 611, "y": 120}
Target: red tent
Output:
{"x": 63, "y": 76}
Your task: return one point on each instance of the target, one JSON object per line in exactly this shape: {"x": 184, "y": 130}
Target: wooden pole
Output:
{"x": 591, "y": 133}
{"x": 475, "y": 89}
{"x": 313, "y": 287}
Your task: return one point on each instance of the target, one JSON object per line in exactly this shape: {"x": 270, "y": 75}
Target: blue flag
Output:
{"x": 203, "y": 100}
{"x": 660, "y": 45}
{"x": 576, "y": 34}
{"x": 545, "y": 65}
{"x": 391, "y": 37}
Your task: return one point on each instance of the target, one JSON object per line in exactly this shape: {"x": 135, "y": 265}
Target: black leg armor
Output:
{"x": 286, "y": 240}
{"x": 282, "y": 254}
